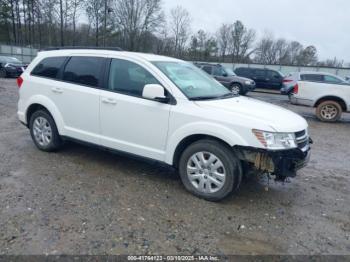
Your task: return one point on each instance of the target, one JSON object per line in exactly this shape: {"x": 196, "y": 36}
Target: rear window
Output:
{"x": 49, "y": 67}
{"x": 84, "y": 70}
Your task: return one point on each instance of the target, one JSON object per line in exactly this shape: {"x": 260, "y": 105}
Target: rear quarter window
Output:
{"x": 49, "y": 67}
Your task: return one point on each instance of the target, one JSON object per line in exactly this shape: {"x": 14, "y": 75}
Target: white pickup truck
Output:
{"x": 329, "y": 94}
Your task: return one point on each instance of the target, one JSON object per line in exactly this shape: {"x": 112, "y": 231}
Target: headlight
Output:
{"x": 276, "y": 141}
{"x": 248, "y": 82}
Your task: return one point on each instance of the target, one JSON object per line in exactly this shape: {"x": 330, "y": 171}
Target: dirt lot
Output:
{"x": 86, "y": 201}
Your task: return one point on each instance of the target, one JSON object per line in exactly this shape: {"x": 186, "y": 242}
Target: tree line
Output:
{"x": 143, "y": 25}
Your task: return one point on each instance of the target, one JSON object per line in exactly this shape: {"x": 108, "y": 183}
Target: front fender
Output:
{"x": 50, "y": 106}
{"x": 201, "y": 128}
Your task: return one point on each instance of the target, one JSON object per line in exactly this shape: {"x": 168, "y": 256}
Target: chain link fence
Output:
{"x": 24, "y": 54}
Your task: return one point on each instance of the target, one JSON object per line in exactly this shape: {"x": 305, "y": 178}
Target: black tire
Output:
{"x": 238, "y": 87}
{"x": 332, "y": 115}
{"x": 231, "y": 164}
{"x": 3, "y": 73}
{"x": 55, "y": 141}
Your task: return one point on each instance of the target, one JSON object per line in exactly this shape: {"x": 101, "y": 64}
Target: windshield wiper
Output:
{"x": 198, "y": 98}
{"x": 228, "y": 95}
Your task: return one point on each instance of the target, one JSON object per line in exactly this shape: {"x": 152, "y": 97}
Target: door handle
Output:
{"x": 109, "y": 101}
{"x": 57, "y": 90}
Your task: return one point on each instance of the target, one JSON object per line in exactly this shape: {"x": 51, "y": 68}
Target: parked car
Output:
{"x": 264, "y": 78}
{"x": 236, "y": 84}
{"x": 291, "y": 80}
{"x": 162, "y": 109}
{"x": 330, "y": 95}
{"x": 11, "y": 67}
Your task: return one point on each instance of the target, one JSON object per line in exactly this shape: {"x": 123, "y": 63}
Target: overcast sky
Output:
{"x": 323, "y": 23}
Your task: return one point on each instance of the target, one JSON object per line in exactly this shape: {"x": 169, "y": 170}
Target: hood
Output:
{"x": 277, "y": 118}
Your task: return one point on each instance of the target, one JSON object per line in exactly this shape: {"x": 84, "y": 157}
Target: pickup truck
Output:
{"x": 329, "y": 94}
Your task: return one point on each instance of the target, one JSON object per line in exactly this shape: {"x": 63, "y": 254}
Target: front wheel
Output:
{"x": 3, "y": 73}
{"x": 210, "y": 170}
{"x": 329, "y": 111}
{"x": 236, "y": 89}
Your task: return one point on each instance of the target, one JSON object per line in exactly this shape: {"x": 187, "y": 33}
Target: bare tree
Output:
{"x": 76, "y": 5}
{"x": 61, "y": 23}
{"x": 223, "y": 39}
{"x": 136, "y": 18}
{"x": 271, "y": 51}
{"x": 95, "y": 10}
{"x": 180, "y": 27}
{"x": 242, "y": 41}
{"x": 294, "y": 50}
{"x": 308, "y": 56}
{"x": 335, "y": 62}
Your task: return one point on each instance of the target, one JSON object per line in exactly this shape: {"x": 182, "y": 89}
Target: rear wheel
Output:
{"x": 236, "y": 89}
{"x": 210, "y": 170}
{"x": 329, "y": 111}
{"x": 44, "y": 131}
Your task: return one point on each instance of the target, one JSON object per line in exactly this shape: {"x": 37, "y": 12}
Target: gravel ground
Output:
{"x": 85, "y": 201}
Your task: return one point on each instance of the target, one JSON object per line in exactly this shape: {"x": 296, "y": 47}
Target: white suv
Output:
{"x": 329, "y": 94}
{"x": 162, "y": 109}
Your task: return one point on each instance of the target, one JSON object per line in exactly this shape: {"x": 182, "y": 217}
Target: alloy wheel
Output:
{"x": 42, "y": 131}
{"x": 329, "y": 112}
{"x": 206, "y": 172}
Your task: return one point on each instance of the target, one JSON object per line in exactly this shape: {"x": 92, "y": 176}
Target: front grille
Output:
{"x": 302, "y": 139}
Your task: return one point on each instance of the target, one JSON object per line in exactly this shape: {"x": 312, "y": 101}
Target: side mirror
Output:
{"x": 155, "y": 92}
{"x": 224, "y": 74}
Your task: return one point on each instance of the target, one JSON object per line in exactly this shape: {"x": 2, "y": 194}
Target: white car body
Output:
{"x": 312, "y": 93}
{"x": 157, "y": 130}
{"x": 149, "y": 129}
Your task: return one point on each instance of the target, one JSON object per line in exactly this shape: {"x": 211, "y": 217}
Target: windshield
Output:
{"x": 192, "y": 81}
{"x": 8, "y": 59}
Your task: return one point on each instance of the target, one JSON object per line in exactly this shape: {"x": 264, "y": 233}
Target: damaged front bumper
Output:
{"x": 282, "y": 164}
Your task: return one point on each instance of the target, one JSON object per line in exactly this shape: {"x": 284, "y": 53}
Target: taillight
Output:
{"x": 19, "y": 82}
{"x": 287, "y": 80}
{"x": 296, "y": 89}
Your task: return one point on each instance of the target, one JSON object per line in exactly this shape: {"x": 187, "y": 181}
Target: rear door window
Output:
{"x": 259, "y": 73}
{"x": 49, "y": 67}
{"x": 242, "y": 71}
{"x": 84, "y": 70}
{"x": 312, "y": 77}
{"x": 273, "y": 74}
{"x": 207, "y": 69}
{"x": 218, "y": 71}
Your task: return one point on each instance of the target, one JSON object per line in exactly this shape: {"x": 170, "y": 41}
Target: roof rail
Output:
{"x": 81, "y": 47}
